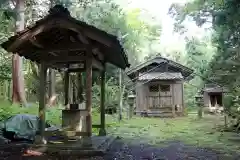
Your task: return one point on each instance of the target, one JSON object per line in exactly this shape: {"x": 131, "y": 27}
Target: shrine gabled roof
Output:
{"x": 185, "y": 71}
{"x": 51, "y": 36}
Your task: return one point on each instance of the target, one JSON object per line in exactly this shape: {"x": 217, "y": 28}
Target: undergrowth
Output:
{"x": 53, "y": 114}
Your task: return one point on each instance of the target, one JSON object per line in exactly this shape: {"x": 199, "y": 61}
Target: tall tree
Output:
{"x": 18, "y": 90}
{"x": 51, "y": 75}
{"x": 17, "y": 74}
{"x": 223, "y": 17}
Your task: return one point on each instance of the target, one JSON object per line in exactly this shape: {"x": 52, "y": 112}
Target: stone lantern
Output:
{"x": 131, "y": 104}
{"x": 199, "y": 102}
{"x": 199, "y": 99}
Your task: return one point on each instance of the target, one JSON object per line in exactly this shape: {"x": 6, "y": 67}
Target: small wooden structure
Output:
{"x": 213, "y": 97}
{"x": 61, "y": 42}
{"x": 159, "y": 87}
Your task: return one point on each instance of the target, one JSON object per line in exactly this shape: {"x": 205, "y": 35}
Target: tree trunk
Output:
{"x": 18, "y": 95}
{"x": 52, "y": 75}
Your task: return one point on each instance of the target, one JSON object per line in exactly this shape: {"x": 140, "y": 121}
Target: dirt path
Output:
{"x": 134, "y": 150}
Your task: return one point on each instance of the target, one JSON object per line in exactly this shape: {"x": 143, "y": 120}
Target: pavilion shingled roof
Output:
{"x": 50, "y": 37}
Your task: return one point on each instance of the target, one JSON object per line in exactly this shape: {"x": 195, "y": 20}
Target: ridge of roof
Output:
{"x": 159, "y": 60}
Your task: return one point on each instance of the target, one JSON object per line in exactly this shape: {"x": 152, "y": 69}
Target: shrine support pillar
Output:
{"x": 89, "y": 94}
{"x": 42, "y": 103}
{"x": 102, "y": 131}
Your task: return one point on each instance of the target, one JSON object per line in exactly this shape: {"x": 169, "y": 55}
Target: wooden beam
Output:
{"x": 89, "y": 92}
{"x": 42, "y": 99}
{"x": 102, "y": 131}
{"x": 35, "y": 42}
{"x": 95, "y": 36}
{"x": 63, "y": 48}
{"x": 72, "y": 59}
{"x": 97, "y": 64}
{"x": 95, "y": 51}
{"x": 64, "y": 59}
{"x": 76, "y": 70}
{"x": 82, "y": 38}
{"x": 99, "y": 54}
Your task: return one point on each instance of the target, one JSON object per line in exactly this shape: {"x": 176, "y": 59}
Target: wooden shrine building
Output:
{"x": 159, "y": 87}
{"x": 62, "y": 42}
{"x": 213, "y": 97}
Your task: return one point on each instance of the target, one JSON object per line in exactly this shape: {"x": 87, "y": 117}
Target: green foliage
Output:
{"x": 53, "y": 115}
{"x": 198, "y": 55}
{"x": 224, "y": 17}
{"x": 6, "y": 30}
{"x": 111, "y": 94}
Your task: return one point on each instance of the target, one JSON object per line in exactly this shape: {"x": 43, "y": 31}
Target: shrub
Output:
{"x": 53, "y": 115}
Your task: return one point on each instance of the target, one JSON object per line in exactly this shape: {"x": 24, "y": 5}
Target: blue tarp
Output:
{"x": 25, "y": 126}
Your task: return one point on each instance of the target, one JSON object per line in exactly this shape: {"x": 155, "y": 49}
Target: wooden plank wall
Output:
{"x": 178, "y": 93}
{"x": 140, "y": 96}
{"x": 142, "y": 92}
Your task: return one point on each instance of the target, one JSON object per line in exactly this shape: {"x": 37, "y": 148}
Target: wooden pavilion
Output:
{"x": 61, "y": 42}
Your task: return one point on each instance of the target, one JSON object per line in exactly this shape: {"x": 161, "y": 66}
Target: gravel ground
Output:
{"x": 132, "y": 150}
{"x": 174, "y": 151}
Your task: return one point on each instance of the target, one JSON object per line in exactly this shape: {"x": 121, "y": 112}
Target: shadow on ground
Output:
{"x": 128, "y": 149}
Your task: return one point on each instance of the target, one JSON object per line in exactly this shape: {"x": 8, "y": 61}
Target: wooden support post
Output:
{"x": 42, "y": 102}
{"x": 66, "y": 87}
{"x": 89, "y": 93}
{"x": 120, "y": 96}
{"x": 102, "y": 131}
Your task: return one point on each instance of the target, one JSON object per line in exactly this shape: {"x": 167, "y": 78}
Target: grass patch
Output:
{"x": 53, "y": 114}
{"x": 157, "y": 131}
{"x": 189, "y": 130}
